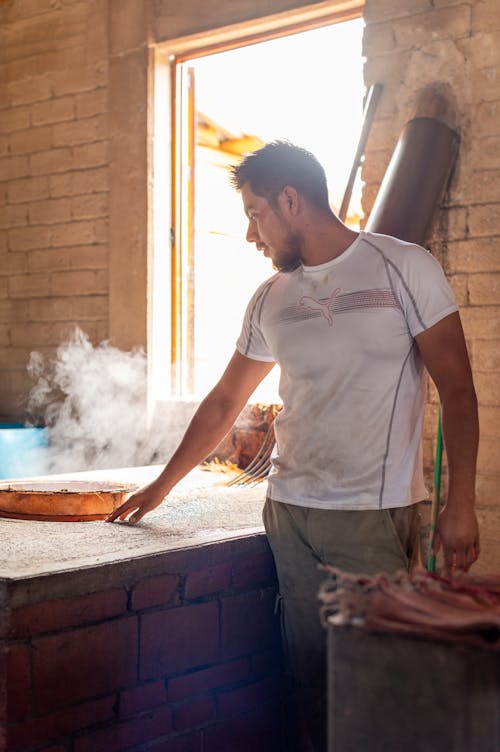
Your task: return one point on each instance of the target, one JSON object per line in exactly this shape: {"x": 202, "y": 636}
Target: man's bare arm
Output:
{"x": 445, "y": 356}
{"x": 211, "y": 422}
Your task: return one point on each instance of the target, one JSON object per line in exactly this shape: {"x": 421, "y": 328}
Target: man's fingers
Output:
{"x": 135, "y": 510}
{"x": 461, "y": 559}
{"x": 458, "y": 536}
{"x": 137, "y": 505}
{"x": 122, "y": 511}
{"x": 472, "y": 555}
{"x": 137, "y": 516}
{"x": 450, "y": 562}
{"x": 114, "y": 514}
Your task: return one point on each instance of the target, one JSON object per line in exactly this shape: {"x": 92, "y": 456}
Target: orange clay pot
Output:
{"x": 61, "y": 501}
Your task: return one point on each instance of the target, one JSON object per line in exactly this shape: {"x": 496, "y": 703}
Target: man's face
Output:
{"x": 270, "y": 230}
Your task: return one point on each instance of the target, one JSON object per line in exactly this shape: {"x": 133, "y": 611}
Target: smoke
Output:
{"x": 93, "y": 403}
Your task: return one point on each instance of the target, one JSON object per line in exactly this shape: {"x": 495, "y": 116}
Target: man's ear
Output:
{"x": 290, "y": 199}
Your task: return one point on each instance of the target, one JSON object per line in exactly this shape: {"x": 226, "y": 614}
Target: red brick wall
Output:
{"x": 122, "y": 658}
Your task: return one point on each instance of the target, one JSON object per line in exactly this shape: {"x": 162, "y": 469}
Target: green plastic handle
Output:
{"x": 436, "y": 502}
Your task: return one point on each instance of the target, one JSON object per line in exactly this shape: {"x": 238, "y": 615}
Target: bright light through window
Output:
{"x": 307, "y": 88}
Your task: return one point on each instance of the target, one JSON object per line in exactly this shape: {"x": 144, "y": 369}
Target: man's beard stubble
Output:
{"x": 291, "y": 257}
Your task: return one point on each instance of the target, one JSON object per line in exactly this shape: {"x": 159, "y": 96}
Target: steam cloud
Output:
{"x": 93, "y": 403}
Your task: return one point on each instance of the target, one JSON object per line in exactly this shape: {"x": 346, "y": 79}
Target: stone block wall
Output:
{"x": 53, "y": 180}
{"x": 74, "y": 206}
{"x": 76, "y": 113}
{"x": 408, "y": 45}
{"x": 179, "y": 653}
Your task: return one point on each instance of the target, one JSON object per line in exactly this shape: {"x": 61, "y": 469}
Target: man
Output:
{"x": 352, "y": 319}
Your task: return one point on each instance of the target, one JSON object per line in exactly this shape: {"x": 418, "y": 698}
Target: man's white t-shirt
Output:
{"x": 352, "y": 381}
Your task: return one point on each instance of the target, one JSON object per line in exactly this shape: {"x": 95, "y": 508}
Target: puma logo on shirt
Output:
{"x": 323, "y": 305}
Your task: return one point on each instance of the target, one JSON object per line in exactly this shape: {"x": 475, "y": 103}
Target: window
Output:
{"x": 306, "y": 87}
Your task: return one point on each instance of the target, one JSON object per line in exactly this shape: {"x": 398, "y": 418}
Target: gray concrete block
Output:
{"x": 392, "y": 693}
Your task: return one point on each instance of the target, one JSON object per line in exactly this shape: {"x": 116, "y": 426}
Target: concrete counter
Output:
{"x": 200, "y": 509}
{"x": 160, "y": 635}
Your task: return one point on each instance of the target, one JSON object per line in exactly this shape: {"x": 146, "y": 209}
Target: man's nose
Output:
{"x": 252, "y": 234}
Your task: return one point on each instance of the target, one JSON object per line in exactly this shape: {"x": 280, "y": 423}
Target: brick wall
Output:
{"x": 409, "y": 44}
{"x": 76, "y": 198}
{"x": 178, "y": 653}
{"x": 59, "y": 155}
{"x": 53, "y": 180}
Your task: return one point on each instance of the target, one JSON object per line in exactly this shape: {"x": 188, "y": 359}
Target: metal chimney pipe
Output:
{"x": 418, "y": 172}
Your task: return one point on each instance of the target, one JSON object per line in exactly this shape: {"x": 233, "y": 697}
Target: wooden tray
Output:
{"x": 61, "y": 501}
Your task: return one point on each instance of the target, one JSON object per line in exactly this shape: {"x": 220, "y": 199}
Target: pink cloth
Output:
{"x": 464, "y": 609}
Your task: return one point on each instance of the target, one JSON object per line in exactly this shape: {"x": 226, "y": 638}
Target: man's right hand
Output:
{"x": 139, "y": 503}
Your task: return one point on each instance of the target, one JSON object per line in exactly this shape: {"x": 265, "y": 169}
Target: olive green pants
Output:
{"x": 301, "y": 539}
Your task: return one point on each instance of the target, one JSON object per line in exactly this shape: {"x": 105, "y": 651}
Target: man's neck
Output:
{"x": 326, "y": 240}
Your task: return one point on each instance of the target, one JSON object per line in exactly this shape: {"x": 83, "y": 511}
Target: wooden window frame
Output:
{"x": 178, "y": 52}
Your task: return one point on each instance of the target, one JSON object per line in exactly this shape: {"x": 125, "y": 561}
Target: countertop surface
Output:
{"x": 200, "y": 509}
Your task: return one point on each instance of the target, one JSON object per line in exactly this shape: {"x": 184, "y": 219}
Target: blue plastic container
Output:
{"x": 22, "y": 450}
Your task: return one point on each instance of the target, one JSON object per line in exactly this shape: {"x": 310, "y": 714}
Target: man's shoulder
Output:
{"x": 268, "y": 284}
{"x": 400, "y": 253}
{"x": 391, "y": 246}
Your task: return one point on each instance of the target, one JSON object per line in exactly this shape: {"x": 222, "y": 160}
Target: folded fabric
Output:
{"x": 464, "y": 609}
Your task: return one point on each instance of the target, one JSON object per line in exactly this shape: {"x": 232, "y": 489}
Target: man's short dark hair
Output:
{"x": 280, "y": 163}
